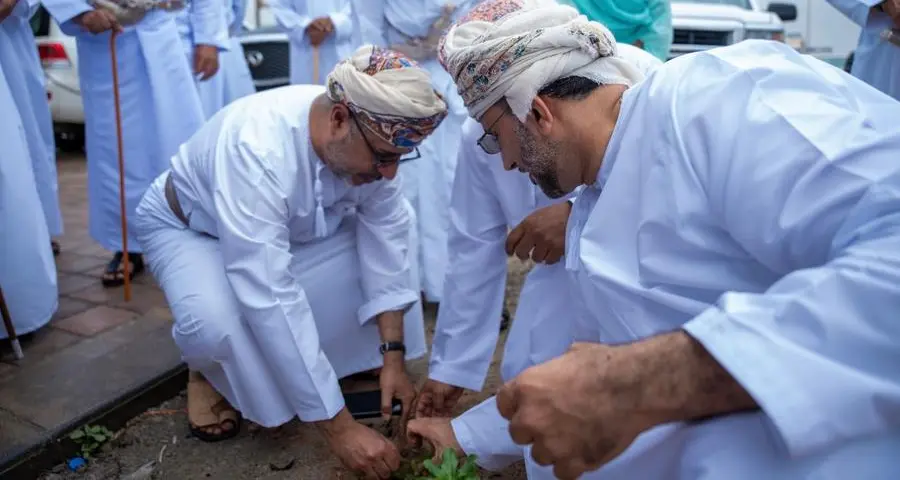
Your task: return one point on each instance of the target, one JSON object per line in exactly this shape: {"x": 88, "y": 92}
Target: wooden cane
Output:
{"x": 10, "y": 328}
{"x": 316, "y": 64}
{"x": 126, "y": 267}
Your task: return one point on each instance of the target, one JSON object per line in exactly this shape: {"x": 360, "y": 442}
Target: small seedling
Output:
{"x": 449, "y": 468}
{"x": 90, "y": 438}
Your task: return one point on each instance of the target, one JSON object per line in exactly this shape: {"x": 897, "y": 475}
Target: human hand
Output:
{"x": 577, "y": 410}
{"x": 395, "y": 383}
{"x": 437, "y": 399}
{"x": 6, "y": 8}
{"x": 324, "y": 24}
{"x": 437, "y": 431}
{"x": 98, "y": 21}
{"x": 892, "y": 8}
{"x": 541, "y": 235}
{"x": 318, "y": 30}
{"x": 206, "y": 61}
{"x": 360, "y": 448}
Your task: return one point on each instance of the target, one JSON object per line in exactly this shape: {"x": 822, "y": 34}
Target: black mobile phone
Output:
{"x": 364, "y": 405}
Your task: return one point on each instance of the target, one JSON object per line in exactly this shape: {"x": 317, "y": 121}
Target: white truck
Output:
{"x": 704, "y": 24}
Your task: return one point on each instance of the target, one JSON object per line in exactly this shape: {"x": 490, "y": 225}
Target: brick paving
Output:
{"x": 96, "y": 348}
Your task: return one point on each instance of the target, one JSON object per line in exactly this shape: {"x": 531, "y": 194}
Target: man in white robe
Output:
{"x": 27, "y": 269}
{"x": 232, "y": 63}
{"x": 283, "y": 205}
{"x": 414, "y": 27}
{"x": 487, "y": 201}
{"x": 876, "y": 61}
{"x": 26, "y": 81}
{"x": 736, "y": 249}
{"x": 204, "y": 36}
{"x": 321, "y": 35}
{"x": 159, "y": 105}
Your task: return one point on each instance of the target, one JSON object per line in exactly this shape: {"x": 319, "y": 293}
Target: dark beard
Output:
{"x": 540, "y": 157}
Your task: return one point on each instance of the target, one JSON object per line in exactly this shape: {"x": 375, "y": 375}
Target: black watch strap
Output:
{"x": 392, "y": 347}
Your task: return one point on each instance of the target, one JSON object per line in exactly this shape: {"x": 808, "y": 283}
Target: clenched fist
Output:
{"x": 892, "y": 8}
{"x": 98, "y": 21}
{"x": 206, "y": 61}
{"x": 542, "y": 235}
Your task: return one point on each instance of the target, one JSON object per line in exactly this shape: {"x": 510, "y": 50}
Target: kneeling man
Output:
{"x": 284, "y": 250}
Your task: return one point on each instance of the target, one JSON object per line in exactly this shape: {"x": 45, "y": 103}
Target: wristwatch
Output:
{"x": 392, "y": 347}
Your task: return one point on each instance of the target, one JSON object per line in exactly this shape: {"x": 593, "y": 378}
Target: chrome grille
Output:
{"x": 269, "y": 63}
{"x": 714, "y": 38}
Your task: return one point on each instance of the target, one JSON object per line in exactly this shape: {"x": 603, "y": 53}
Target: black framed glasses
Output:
{"x": 385, "y": 159}
{"x": 489, "y": 141}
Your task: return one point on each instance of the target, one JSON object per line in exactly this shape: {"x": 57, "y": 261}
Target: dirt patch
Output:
{"x": 157, "y": 444}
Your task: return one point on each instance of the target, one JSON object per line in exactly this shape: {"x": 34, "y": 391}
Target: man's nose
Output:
{"x": 388, "y": 171}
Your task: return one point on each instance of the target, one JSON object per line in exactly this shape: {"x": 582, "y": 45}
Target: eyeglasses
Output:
{"x": 385, "y": 159}
{"x": 489, "y": 142}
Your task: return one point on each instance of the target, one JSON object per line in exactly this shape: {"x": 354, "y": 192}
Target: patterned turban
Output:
{"x": 510, "y": 49}
{"x": 389, "y": 94}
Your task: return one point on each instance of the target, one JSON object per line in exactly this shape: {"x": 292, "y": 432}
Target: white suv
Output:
{"x": 703, "y": 24}
{"x": 59, "y": 57}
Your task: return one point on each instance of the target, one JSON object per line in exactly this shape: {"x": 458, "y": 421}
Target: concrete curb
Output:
{"x": 55, "y": 448}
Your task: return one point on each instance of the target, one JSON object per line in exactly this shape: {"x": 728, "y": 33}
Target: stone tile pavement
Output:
{"x": 97, "y": 347}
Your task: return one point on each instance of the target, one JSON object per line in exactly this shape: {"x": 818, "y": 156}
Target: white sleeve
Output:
{"x": 468, "y": 322}
{"x": 207, "y": 18}
{"x": 809, "y": 187}
{"x": 856, "y": 10}
{"x": 483, "y": 432}
{"x": 251, "y": 205}
{"x": 63, "y": 11}
{"x": 369, "y": 23}
{"x": 289, "y": 19}
{"x": 383, "y": 235}
{"x": 343, "y": 22}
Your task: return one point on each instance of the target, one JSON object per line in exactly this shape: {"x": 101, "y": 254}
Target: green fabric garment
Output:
{"x": 631, "y": 20}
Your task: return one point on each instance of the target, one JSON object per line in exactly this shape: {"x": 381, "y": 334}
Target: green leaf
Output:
{"x": 99, "y": 437}
{"x": 432, "y": 469}
{"x": 77, "y": 435}
{"x": 449, "y": 460}
{"x": 468, "y": 469}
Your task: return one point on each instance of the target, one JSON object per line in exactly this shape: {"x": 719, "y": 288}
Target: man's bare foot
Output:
{"x": 210, "y": 416}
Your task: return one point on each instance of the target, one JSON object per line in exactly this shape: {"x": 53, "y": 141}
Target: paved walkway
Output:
{"x": 97, "y": 347}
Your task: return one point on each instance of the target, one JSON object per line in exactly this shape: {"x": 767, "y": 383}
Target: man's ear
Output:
{"x": 339, "y": 120}
{"x": 542, "y": 118}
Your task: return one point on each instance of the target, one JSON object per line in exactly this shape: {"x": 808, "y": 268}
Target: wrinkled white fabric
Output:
{"x": 749, "y": 195}
{"x": 27, "y": 269}
{"x": 274, "y": 332}
{"x": 521, "y": 53}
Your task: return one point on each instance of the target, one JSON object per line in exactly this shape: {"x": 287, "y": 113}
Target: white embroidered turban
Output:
{"x": 518, "y": 50}
{"x": 389, "y": 94}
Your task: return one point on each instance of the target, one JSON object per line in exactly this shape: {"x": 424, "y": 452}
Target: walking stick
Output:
{"x": 122, "y": 208}
{"x": 10, "y": 328}
{"x": 316, "y": 64}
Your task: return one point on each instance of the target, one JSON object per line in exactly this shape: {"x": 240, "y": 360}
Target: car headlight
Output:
{"x": 777, "y": 35}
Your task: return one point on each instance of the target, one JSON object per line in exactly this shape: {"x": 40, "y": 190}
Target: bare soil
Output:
{"x": 157, "y": 444}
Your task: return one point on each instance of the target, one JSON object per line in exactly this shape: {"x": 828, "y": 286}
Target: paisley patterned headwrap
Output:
{"x": 389, "y": 94}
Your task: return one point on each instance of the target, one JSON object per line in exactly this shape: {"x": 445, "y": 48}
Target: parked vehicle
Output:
{"x": 703, "y": 24}
{"x": 59, "y": 58}
{"x": 267, "y": 51}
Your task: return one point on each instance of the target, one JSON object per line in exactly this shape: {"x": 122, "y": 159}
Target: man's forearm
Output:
{"x": 675, "y": 379}
{"x": 390, "y": 326}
